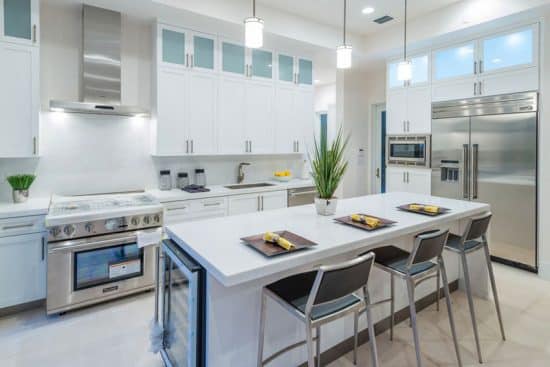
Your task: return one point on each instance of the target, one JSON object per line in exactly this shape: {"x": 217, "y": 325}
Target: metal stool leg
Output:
{"x": 370, "y": 325}
{"x": 412, "y": 307}
{"x": 471, "y": 303}
{"x": 438, "y": 293}
{"x": 410, "y": 319}
{"x": 392, "y": 305}
{"x": 309, "y": 342}
{"x": 355, "y": 336}
{"x": 449, "y": 308}
{"x": 494, "y": 287}
{"x": 262, "y": 330}
{"x": 318, "y": 345}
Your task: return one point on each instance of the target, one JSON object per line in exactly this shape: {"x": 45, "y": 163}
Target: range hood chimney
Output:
{"x": 101, "y": 64}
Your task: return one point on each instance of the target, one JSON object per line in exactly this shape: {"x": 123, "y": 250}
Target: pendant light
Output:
{"x": 404, "y": 68}
{"x": 343, "y": 53}
{"x": 253, "y": 30}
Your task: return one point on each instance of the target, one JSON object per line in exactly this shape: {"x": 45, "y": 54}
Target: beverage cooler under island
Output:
{"x": 211, "y": 282}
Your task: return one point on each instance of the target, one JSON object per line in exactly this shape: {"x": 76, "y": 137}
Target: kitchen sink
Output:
{"x": 248, "y": 186}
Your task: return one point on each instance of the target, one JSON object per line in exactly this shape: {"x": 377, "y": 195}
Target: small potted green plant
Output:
{"x": 328, "y": 167}
{"x": 20, "y": 185}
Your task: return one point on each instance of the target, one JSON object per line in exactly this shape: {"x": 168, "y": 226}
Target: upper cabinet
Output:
{"x": 305, "y": 72}
{"x": 420, "y": 72}
{"x": 234, "y": 60}
{"x": 185, "y": 49}
{"x": 19, "y": 21}
{"x": 287, "y": 69}
{"x": 262, "y": 64}
{"x": 497, "y": 64}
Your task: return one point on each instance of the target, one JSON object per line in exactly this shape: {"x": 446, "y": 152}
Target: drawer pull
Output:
{"x": 212, "y": 204}
{"x": 18, "y": 226}
{"x": 173, "y": 209}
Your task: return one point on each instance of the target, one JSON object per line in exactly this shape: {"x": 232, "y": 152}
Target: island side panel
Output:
{"x": 233, "y": 314}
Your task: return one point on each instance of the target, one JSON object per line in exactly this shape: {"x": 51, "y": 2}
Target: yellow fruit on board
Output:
{"x": 276, "y": 239}
{"x": 431, "y": 208}
{"x": 370, "y": 221}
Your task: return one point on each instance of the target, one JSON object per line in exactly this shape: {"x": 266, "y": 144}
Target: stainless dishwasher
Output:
{"x": 302, "y": 196}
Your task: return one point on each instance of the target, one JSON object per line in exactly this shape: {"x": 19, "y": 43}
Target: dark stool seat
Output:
{"x": 453, "y": 244}
{"x": 395, "y": 258}
{"x": 295, "y": 291}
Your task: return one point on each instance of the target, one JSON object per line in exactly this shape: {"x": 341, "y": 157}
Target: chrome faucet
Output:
{"x": 240, "y": 176}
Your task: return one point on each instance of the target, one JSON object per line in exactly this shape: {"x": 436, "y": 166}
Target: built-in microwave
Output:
{"x": 408, "y": 150}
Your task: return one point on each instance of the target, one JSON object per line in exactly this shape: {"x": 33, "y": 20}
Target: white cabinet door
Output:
{"x": 396, "y": 181}
{"x": 397, "y": 111}
{"x": 522, "y": 80}
{"x": 274, "y": 200}
{"x": 171, "y": 113}
{"x": 202, "y": 97}
{"x": 454, "y": 89}
{"x": 259, "y": 123}
{"x": 285, "y": 140}
{"x": 242, "y": 204}
{"x": 19, "y": 21}
{"x": 19, "y": 100}
{"x": 22, "y": 269}
{"x": 304, "y": 121}
{"x": 419, "y": 181}
{"x": 231, "y": 116}
{"x": 419, "y": 109}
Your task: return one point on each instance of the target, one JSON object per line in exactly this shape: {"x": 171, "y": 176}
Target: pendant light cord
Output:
{"x": 345, "y": 14}
{"x": 405, "y": 35}
{"x": 254, "y": 8}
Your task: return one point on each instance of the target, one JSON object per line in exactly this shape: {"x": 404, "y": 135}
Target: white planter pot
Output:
{"x": 326, "y": 206}
{"x": 20, "y": 196}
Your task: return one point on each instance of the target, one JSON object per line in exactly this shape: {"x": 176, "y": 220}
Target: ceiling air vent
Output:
{"x": 384, "y": 19}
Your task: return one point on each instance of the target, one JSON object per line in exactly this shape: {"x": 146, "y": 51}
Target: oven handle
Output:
{"x": 70, "y": 246}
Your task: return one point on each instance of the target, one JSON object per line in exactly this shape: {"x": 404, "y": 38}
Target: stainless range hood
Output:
{"x": 101, "y": 65}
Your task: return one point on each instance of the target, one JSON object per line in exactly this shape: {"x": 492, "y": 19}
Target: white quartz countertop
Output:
{"x": 33, "y": 206}
{"x": 216, "y": 245}
{"x": 221, "y": 190}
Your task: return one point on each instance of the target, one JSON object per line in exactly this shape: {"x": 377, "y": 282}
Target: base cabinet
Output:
{"x": 411, "y": 180}
{"x": 251, "y": 203}
{"x": 22, "y": 269}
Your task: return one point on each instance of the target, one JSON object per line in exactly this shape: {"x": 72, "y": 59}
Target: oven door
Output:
{"x": 87, "y": 271}
{"x": 182, "y": 297}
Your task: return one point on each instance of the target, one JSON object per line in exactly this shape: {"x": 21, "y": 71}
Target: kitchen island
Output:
{"x": 236, "y": 273}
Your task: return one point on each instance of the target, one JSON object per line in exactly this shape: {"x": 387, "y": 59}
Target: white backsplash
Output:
{"x": 82, "y": 154}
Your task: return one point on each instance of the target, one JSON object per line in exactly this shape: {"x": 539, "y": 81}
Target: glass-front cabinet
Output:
{"x": 204, "y": 49}
{"x": 183, "y": 48}
{"x": 305, "y": 71}
{"x": 420, "y": 72}
{"x": 174, "y": 47}
{"x": 509, "y": 50}
{"x": 19, "y": 21}
{"x": 262, "y": 63}
{"x": 233, "y": 57}
{"x": 454, "y": 62}
{"x": 286, "y": 68}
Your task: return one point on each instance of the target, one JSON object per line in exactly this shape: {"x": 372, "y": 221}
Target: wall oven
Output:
{"x": 408, "y": 150}
{"x": 90, "y": 270}
{"x": 181, "y": 301}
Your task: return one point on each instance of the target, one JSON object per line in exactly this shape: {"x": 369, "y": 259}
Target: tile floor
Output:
{"x": 116, "y": 333}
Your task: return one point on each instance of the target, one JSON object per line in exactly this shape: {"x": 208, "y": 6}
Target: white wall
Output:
{"x": 325, "y": 96}
{"x": 89, "y": 154}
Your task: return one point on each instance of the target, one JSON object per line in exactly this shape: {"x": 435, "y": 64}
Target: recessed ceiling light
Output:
{"x": 368, "y": 10}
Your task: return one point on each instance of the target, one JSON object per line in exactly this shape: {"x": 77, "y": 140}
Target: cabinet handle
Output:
{"x": 408, "y": 177}
{"x": 250, "y": 145}
{"x": 187, "y": 60}
{"x": 212, "y": 204}
{"x": 475, "y": 89}
{"x": 192, "y": 60}
{"x": 43, "y": 249}
{"x": 34, "y": 145}
{"x": 297, "y": 146}
{"x": 262, "y": 200}
{"x": 404, "y": 126}
{"x": 408, "y": 126}
{"x": 475, "y": 67}
{"x": 259, "y": 207}
{"x": 479, "y": 89}
{"x": 18, "y": 226}
{"x": 404, "y": 177}
{"x": 34, "y": 33}
{"x": 187, "y": 146}
{"x": 192, "y": 146}
{"x": 481, "y": 66}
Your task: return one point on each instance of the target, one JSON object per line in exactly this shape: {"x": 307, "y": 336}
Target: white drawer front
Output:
{"x": 21, "y": 225}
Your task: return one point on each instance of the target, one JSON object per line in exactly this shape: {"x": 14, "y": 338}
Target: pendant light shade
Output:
{"x": 404, "y": 68}
{"x": 253, "y": 30}
{"x": 343, "y": 52}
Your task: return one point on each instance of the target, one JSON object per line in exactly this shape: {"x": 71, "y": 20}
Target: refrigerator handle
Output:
{"x": 475, "y": 161}
{"x": 466, "y": 173}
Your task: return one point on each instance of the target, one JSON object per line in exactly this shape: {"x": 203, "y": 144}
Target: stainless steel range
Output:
{"x": 93, "y": 252}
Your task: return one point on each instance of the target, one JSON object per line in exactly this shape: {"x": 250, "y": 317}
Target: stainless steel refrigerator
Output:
{"x": 485, "y": 149}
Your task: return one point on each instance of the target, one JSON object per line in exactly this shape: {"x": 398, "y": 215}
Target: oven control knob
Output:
{"x": 69, "y": 230}
{"x": 55, "y": 231}
{"x": 111, "y": 224}
{"x": 156, "y": 218}
{"x": 89, "y": 227}
{"x": 146, "y": 220}
{"x": 135, "y": 221}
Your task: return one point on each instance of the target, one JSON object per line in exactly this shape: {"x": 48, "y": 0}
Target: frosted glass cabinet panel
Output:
{"x": 419, "y": 69}
{"x": 233, "y": 58}
{"x": 509, "y": 50}
{"x": 393, "y": 82}
{"x": 18, "y": 19}
{"x": 286, "y": 68}
{"x": 203, "y": 52}
{"x": 454, "y": 62}
{"x": 262, "y": 63}
{"x": 173, "y": 47}
{"x": 306, "y": 72}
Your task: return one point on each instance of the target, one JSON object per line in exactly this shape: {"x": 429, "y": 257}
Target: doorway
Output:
{"x": 379, "y": 148}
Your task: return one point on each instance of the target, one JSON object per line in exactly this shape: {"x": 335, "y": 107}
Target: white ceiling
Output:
{"x": 330, "y": 12}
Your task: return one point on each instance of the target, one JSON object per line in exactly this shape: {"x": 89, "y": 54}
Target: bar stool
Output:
{"x": 321, "y": 296}
{"x": 475, "y": 238}
{"x": 415, "y": 268}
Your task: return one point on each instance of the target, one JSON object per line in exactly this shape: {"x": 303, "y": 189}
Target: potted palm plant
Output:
{"x": 20, "y": 185}
{"x": 328, "y": 166}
